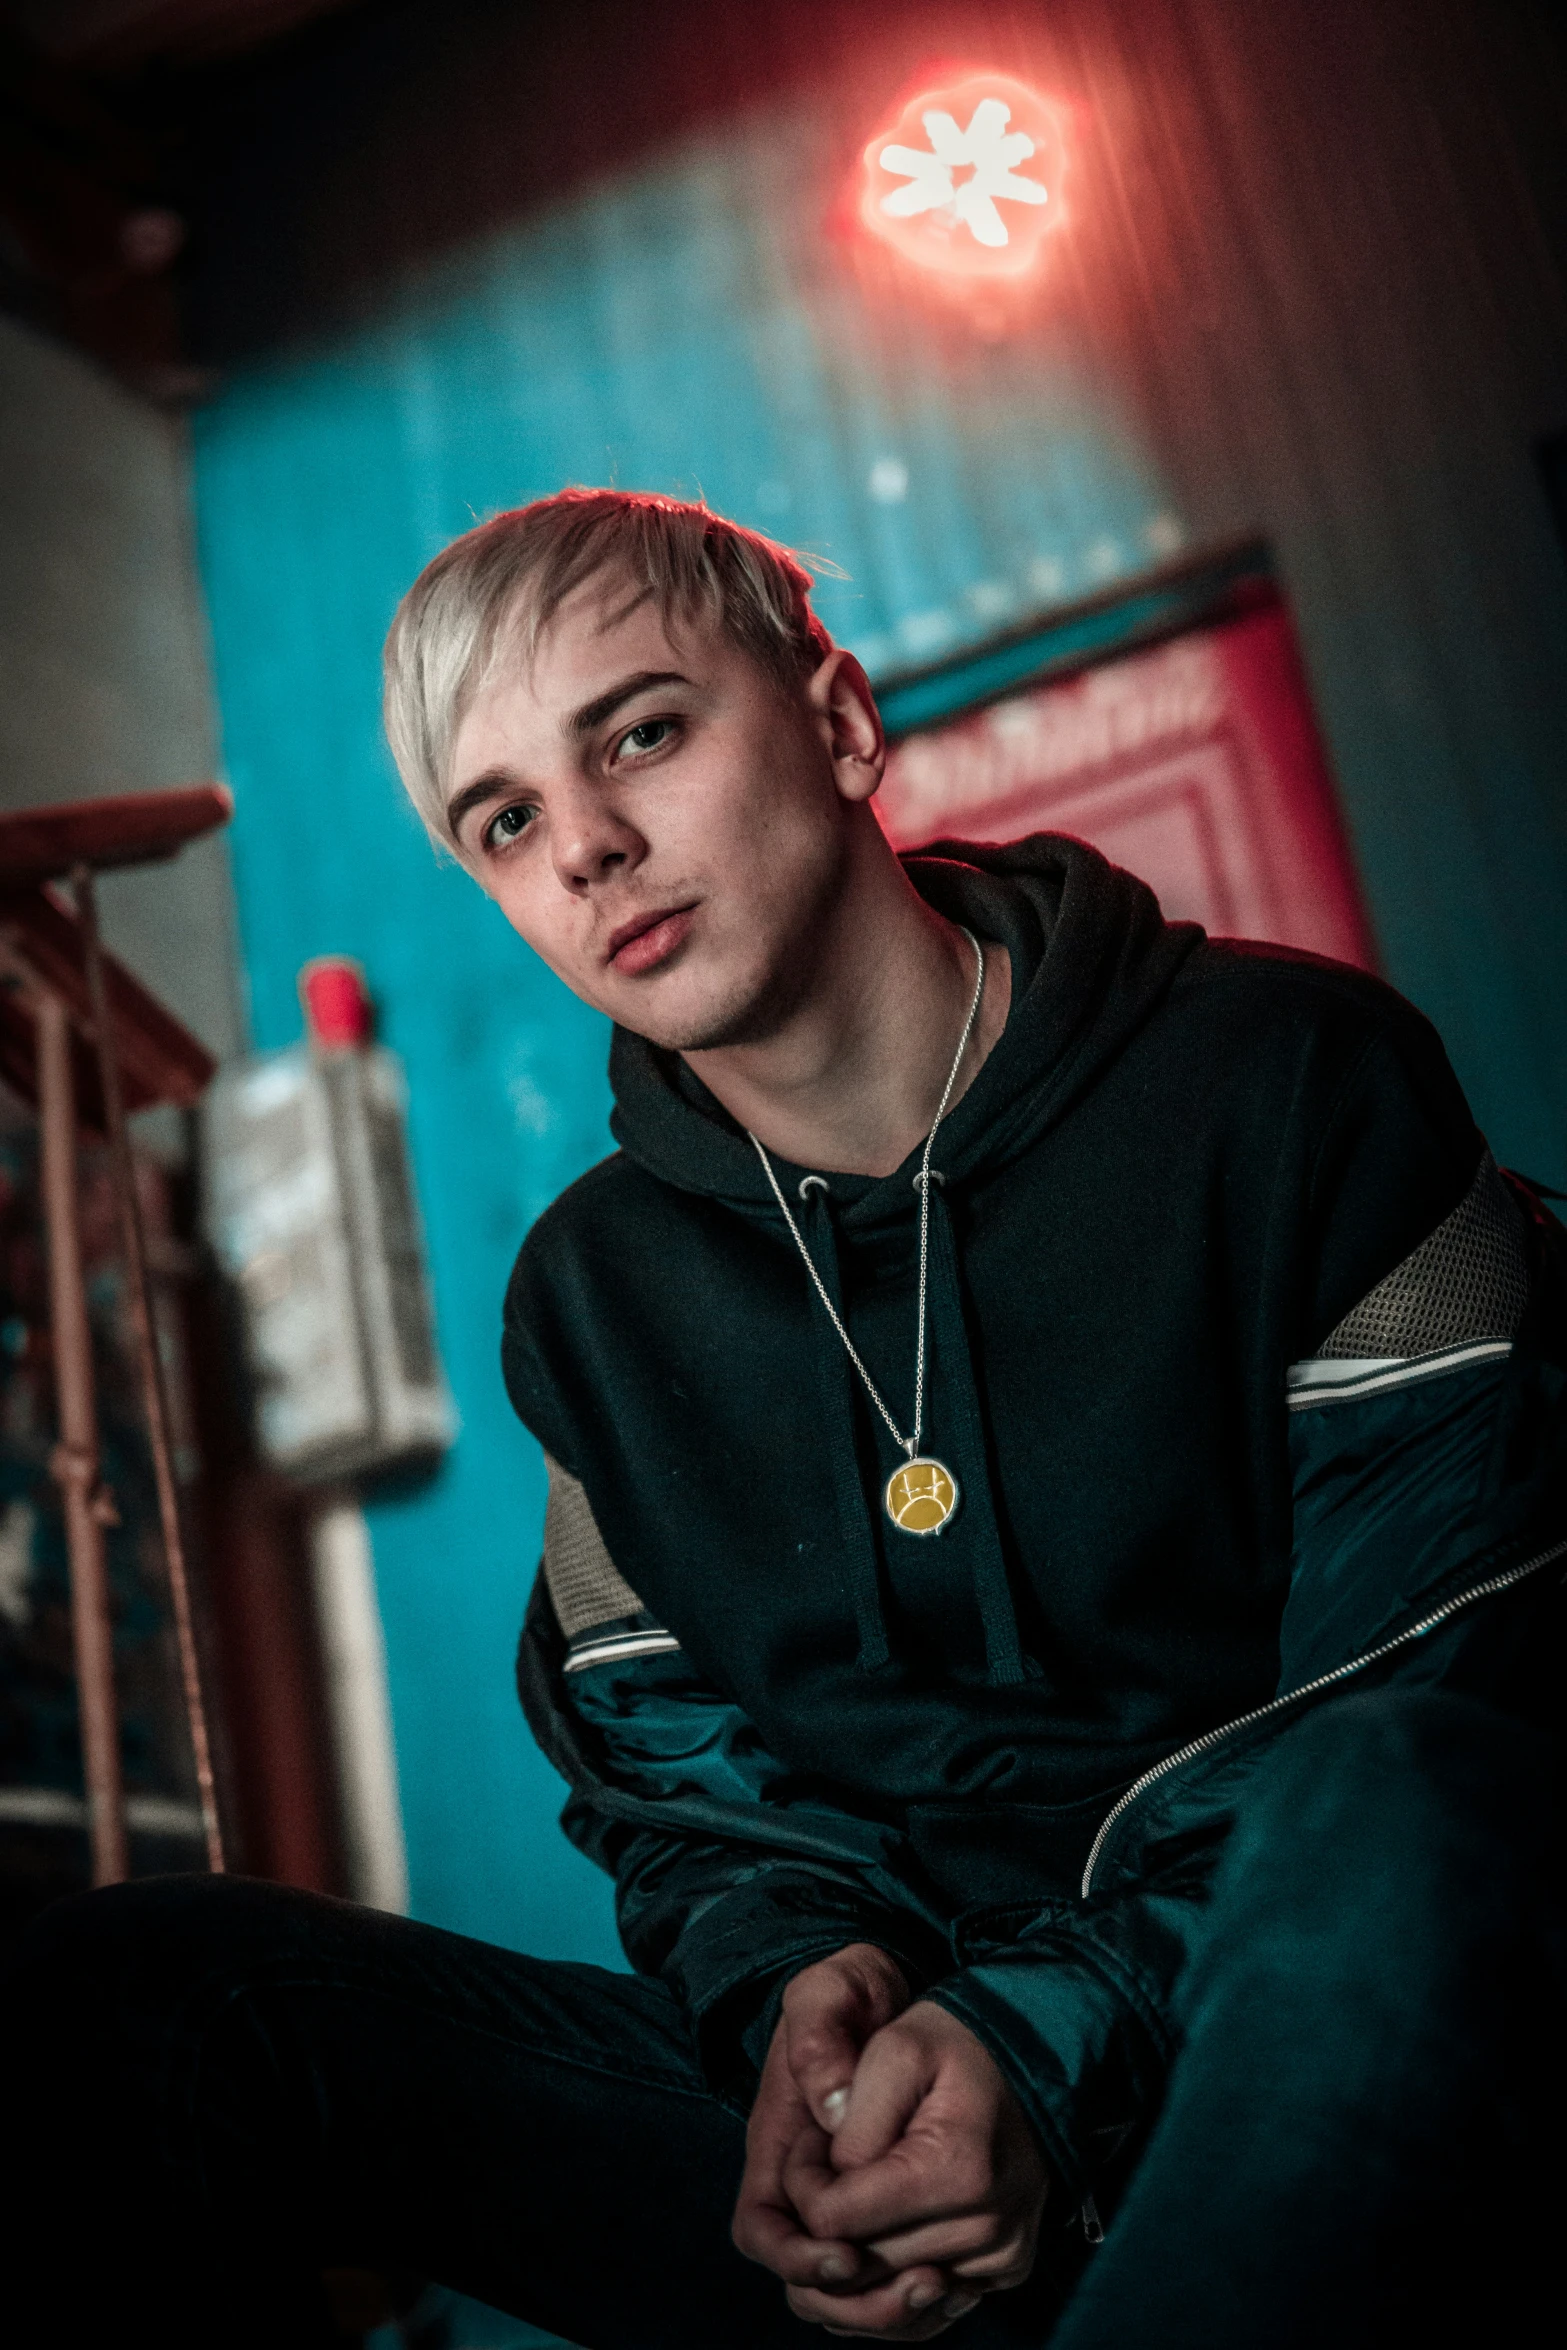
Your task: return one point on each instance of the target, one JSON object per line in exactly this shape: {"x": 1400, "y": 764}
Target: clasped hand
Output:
{"x": 890, "y": 2176}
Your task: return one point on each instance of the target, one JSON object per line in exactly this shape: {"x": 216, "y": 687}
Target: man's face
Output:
{"x": 659, "y": 819}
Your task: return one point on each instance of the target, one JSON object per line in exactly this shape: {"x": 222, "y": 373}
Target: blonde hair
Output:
{"x": 495, "y": 590}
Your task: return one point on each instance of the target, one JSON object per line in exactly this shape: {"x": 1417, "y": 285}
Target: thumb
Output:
{"x": 892, "y": 2081}
{"x": 824, "y": 2048}
{"x": 829, "y": 2012}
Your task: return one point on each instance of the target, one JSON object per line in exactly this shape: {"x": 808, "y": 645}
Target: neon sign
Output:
{"x": 967, "y": 179}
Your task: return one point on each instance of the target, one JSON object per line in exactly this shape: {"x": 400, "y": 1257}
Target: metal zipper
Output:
{"x": 1275, "y": 1705}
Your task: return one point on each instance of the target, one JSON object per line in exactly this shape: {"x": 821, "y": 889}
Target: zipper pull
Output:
{"x": 1093, "y": 2225}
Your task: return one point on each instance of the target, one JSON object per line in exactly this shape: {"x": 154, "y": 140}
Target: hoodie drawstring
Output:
{"x": 834, "y": 1382}
{"x": 1004, "y": 1660}
{"x": 960, "y": 1409}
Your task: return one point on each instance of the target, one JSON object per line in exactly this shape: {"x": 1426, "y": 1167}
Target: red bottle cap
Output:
{"x": 337, "y": 1002}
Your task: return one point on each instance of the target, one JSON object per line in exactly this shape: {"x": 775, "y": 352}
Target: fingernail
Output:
{"x": 836, "y": 2269}
{"x": 835, "y": 2105}
{"x": 922, "y": 2296}
{"x": 959, "y": 2304}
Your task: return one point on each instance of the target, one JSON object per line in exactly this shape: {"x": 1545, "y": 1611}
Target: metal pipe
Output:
{"x": 154, "y": 1396}
{"x": 75, "y": 1461}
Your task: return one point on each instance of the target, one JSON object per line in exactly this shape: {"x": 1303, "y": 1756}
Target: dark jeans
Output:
{"x": 214, "y": 2089}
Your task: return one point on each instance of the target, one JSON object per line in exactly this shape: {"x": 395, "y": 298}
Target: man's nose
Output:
{"x": 591, "y": 840}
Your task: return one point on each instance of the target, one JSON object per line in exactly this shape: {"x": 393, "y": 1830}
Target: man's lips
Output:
{"x": 650, "y": 940}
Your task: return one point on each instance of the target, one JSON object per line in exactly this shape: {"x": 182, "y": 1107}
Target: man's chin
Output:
{"x": 704, "y": 1037}
{"x": 744, "y": 1017}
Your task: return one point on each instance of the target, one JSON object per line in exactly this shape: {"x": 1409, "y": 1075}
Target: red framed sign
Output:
{"x": 1194, "y": 760}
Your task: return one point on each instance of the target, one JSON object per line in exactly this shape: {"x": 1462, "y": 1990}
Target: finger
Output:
{"x": 1009, "y": 2262}
{"x": 891, "y": 2081}
{"x": 890, "y": 2198}
{"x": 766, "y": 2226}
{"x": 917, "y": 2329}
{"x": 954, "y": 2302}
{"x": 909, "y": 2308}
{"x": 774, "y": 2239}
{"x": 994, "y": 2276}
{"x": 923, "y": 2182}
{"x": 767, "y": 2229}
{"x": 971, "y": 2238}
{"x": 829, "y": 2013}
{"x": 778, "y": 2115}
{"x": 807, "y": 2171}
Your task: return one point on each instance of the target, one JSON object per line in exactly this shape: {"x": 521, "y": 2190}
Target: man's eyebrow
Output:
{"x": 594, "y": 713}
{"x": 483, "y": 787}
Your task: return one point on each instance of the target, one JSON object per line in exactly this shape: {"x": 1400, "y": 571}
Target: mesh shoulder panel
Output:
{"x": 1470, "y": 1280}
{"x": 584, "y": 1582}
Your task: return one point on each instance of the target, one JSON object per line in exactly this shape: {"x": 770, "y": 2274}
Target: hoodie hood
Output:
{"x": 1091, "y": 957}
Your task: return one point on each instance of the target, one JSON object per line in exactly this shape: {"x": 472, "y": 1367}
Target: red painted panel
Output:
{"x": 1196, "y": 764}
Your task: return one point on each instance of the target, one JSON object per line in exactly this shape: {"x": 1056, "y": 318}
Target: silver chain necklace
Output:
{"x": 921, "y": 1497}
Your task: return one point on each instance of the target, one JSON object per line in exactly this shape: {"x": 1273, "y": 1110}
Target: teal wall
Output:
{"x": 1287, "y": 305}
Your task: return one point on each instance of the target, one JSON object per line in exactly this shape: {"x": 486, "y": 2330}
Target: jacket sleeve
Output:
{"x": 731, "y": 1873}
{"x": 1427, "y": 1432}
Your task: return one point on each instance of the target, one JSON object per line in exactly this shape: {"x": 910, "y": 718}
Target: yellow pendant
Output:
{"x": 921, "y": 1496}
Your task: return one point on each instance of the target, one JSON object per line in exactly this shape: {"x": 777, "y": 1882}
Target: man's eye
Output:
{"x": 649, "y": 735}
{"x": 510, "y": 824}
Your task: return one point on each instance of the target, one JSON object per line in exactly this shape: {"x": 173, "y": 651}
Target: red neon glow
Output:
{"x": 967, "y": 179}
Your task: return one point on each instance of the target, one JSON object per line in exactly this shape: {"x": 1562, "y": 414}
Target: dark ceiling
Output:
{"x": 99, "y": 169}
{"x": 182, "y": 181}
{"x": 118, "y": 36}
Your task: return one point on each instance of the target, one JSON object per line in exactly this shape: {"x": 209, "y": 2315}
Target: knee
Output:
{"x": 1404, "y": 1814}
{"x": 152, "y": 1943}
{"x": 1384, "y": 1897}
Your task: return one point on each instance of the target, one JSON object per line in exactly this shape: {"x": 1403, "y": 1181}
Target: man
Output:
{"x": 1050, "y": 1607}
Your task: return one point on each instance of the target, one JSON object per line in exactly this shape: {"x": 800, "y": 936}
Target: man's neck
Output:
{"x": 851, "y": 1077}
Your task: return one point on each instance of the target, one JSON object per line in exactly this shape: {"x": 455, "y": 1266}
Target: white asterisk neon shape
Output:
{"x": 988, "y": 148}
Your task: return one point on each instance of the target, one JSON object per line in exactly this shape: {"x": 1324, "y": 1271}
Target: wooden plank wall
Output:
{"x": 1346, "y": 317}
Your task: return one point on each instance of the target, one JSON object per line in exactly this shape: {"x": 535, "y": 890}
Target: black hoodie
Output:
{"x": 1182, "y": 1165}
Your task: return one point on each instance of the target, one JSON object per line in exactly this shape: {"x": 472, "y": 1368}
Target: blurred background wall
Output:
{"x": 442, "y": 259}
{"x": 104, "y": 646}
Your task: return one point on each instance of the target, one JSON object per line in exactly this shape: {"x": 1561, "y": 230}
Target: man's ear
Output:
{"x": 839, "y": 693}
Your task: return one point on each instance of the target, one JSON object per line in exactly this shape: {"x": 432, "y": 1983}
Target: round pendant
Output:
{"x": 921, "y": 1497}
